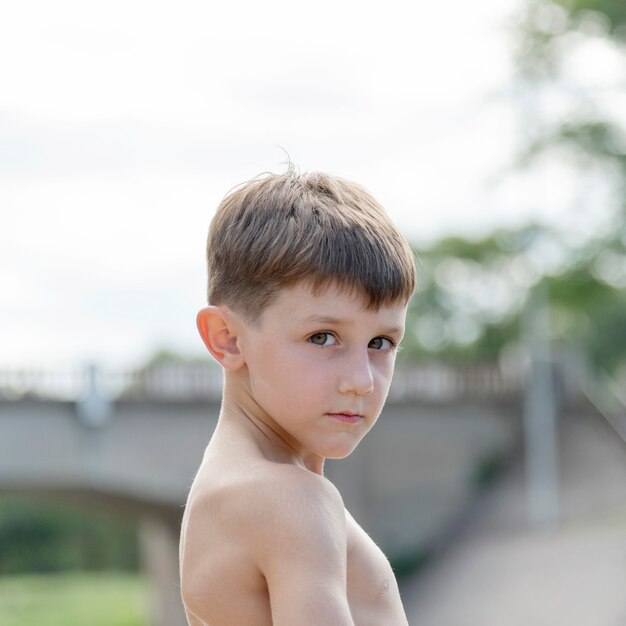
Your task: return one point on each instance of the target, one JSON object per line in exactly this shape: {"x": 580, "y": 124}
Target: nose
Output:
{"x": 356, "y": 376}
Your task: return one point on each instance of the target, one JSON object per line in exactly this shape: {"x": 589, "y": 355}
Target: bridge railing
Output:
{"x": 444, "y": 382}
{"x": 175, "y": 381}
{"x": 168, "y": 381}
{"x": 67, "y": 384}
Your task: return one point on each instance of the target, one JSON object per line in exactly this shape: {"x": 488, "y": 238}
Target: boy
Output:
{"x": 308, "y": 286}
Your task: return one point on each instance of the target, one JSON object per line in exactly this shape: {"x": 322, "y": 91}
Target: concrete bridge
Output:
{"x": 133, "y": 441}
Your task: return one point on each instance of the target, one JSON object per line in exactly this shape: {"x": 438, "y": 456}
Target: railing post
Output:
{"x": 93, "y": 407}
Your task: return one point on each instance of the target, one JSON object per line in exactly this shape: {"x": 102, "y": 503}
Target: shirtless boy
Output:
{"x": 308, "y": 286}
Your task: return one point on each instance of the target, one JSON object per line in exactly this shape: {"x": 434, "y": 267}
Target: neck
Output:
{"x": 240, "y": 409}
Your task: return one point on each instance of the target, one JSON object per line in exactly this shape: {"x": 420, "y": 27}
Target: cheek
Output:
{"x": 285, "y": 381}
{"x": 384, "y": 368}
{"x": 384, "y": 374}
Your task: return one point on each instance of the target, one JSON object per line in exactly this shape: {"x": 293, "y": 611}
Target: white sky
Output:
{"x": 122, "y": 124}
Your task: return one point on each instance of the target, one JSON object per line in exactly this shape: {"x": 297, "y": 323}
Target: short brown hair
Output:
{"x": 279, "y": 229}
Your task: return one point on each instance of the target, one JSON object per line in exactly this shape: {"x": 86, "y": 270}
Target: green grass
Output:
{"x": 77, "y": 599}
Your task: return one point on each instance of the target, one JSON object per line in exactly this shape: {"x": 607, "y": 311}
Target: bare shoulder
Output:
{"x": 280, "y": 482}
{"x": 279, "y": 498}
{"x": 264, "y": 503}
{"x": 266, "y": 486}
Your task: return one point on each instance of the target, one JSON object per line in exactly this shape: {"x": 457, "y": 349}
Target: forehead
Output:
{"x": 300, "y": 303}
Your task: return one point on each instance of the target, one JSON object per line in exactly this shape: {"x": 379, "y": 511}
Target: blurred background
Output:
{"x": 493, "y": 133}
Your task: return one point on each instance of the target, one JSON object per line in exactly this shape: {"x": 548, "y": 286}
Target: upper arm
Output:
{"x": 298, "y": 535}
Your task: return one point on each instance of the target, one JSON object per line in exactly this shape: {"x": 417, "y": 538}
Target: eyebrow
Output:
{"x": 337, "y": 321}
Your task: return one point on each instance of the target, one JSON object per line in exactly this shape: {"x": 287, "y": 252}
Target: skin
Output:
{"x": 266, "y": 539}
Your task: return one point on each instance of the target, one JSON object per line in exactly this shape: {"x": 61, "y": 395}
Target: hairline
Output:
{"x": 317, "y": 287}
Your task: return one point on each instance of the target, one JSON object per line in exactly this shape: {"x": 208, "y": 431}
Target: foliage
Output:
{"x": 472, "y": 296}
{"x": 37, "y": 537}
{"x": 595, "y": 316}
{"x": 547, "y": 26}
{"x": 488, "y": 469}
{"x": 613, "y": 10}
{"x": 551, "y": 35}
{"x": 587, "y": 132}
{"x": 73, "y": 600}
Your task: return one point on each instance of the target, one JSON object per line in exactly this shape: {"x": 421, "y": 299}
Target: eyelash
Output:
{"x": 392, "y": 343}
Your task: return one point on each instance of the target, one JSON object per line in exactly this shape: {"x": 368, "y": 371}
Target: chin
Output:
{"x": 337, "y": 456}
{"x": 339, "y": 452}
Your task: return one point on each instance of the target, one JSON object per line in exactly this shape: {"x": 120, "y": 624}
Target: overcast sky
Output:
{"x": 122, "y": 125}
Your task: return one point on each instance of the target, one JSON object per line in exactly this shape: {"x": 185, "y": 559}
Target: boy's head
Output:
{"x": 276, "y": 231}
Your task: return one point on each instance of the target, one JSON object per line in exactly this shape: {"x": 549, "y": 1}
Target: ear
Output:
{"x": 218, "y": 332}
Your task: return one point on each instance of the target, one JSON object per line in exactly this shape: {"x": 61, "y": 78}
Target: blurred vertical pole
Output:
{"x": 93, "y": 407}
{"x": 540, "y": 416}
{"x": 159, "y": 549}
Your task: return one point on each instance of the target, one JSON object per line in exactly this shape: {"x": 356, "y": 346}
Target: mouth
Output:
{"x": 346, "y": 416}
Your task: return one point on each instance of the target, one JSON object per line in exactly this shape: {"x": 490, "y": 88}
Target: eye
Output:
{"x": 323, "y": 339}
{"x": 381, "y": 343}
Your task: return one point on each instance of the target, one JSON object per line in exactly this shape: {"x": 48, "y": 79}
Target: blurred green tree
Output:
{"x": 569, "y": 58}
{"x": 45, "y": 537}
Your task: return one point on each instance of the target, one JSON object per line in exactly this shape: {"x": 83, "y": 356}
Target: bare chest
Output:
{"x": 373, "y": 592}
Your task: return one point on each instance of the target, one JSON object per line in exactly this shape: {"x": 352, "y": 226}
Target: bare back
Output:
{"x": 235, "y": 510}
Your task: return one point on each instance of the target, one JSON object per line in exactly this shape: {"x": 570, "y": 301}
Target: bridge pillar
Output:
{"x": 159, "y": 550}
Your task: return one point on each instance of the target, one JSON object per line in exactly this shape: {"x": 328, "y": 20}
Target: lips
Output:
{"x": 346, "y": 416}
